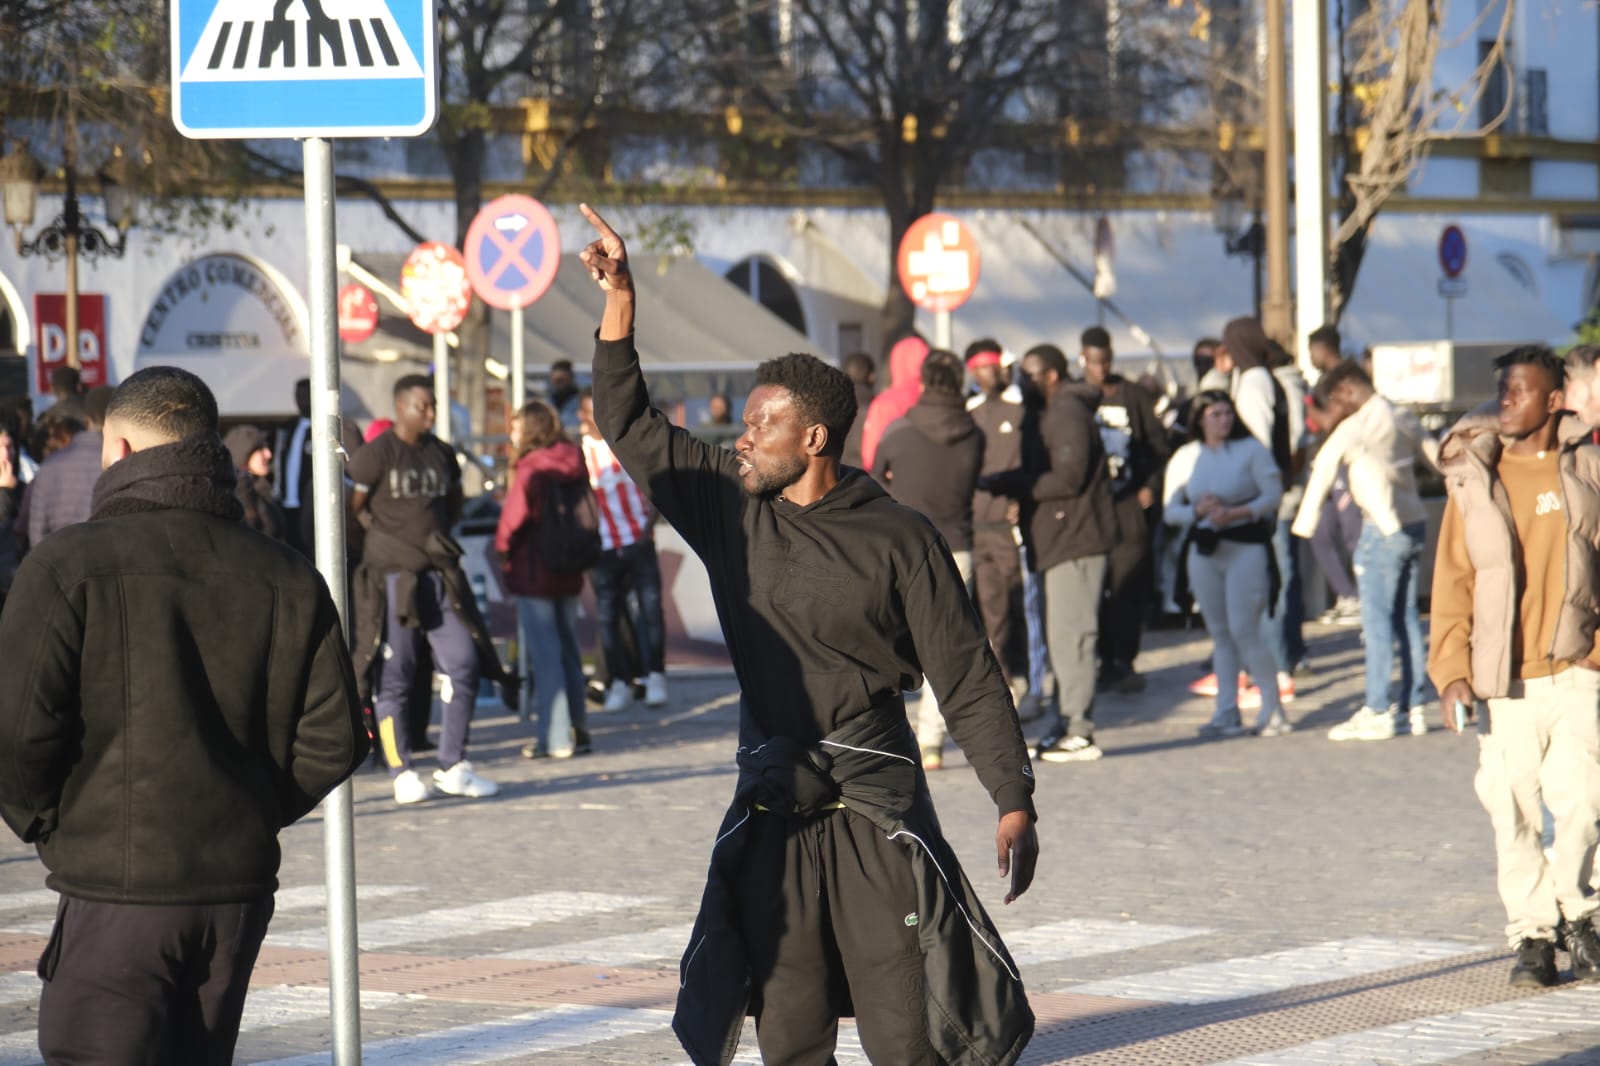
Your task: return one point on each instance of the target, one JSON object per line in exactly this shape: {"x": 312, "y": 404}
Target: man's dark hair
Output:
{"x": 412, "y": 381}
{"x": 1327, "y": 336}
{"x": 1538, "y": 355}
{"x": 167, "y": 399}
{"x": 981, "y": 345}
{"x": 859, "y": 367}
{"x": 561, "y": 364}
{"x": 1051, "y": 356}
{"x": 95, "y": 402}
{"x": 1095, "y": 337}
{"x": 302, "y": 397}
{"x": 1580, "y": 360}
{"x": 822, "y": 395}
{"x": 66, "y": 381}
{"x": 1348, "y": 372}
{"x": 1278, "y": 355}
{"x": 943, "y": 372}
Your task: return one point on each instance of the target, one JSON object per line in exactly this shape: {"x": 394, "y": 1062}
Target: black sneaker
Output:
{"x": 1536, "y": 964}
{"x": 581, "y": 744}
{"x": 1048, "y": 741}
{"x": 1583, "y": 946}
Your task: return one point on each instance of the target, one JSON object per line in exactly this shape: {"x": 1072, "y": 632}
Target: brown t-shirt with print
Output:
{"x": 1533, "y": 486}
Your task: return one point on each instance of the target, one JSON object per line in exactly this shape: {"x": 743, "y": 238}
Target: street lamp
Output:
{"x": 1227, "y": 214}
{"x": 69, "y": 235}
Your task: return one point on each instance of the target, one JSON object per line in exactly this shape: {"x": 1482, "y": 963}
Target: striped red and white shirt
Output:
{"x": 625, "y": 515}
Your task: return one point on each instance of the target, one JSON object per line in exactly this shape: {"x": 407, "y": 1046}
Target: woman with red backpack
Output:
{"x": 548, "y": 528}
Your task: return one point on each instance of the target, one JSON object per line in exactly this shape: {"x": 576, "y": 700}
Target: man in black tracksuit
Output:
{"x": 831, "y": 891}
{"x": 175, "y": 690}
{"x": 1136, "y": 457}
{"x": 996, "y": 558}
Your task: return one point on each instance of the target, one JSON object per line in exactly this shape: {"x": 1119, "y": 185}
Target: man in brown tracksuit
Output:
{"x": 1515, "y": 614}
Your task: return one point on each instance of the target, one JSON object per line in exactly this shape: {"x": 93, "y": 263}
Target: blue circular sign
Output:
{"x": 1452, "y": 251}
{"x": 513, "y": 250}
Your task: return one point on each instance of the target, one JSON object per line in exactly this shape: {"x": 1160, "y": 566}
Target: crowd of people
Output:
{"x": 983, "y": 536}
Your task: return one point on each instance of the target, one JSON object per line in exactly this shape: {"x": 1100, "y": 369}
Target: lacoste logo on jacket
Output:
{"x": 1548, "y": 502}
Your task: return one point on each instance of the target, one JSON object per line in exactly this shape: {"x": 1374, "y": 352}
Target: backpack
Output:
{"x": 567, "y": 536}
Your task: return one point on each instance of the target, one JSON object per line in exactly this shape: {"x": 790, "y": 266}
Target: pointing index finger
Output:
{"x": 596, "y": 221}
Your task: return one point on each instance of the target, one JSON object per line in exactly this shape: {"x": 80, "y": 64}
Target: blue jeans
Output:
{"x": 547, "y": 634}
{"x": 621, "y": 571}
{"x": 1386, "y": 576}
{"x": 1281, "y": 630}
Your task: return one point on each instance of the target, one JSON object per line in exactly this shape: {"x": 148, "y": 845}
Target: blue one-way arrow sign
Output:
{"x": 303, "y": 68}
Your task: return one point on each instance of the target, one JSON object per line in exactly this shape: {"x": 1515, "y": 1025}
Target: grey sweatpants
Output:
{"x": 1072, "y": 592}
{"x": 1231, "y": 586}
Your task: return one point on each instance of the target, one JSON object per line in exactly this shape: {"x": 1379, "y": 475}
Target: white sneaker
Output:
{"x": 1418, "y": 720}
{"x": 655, "y": 690}
{"x": 409, "y": 787}
{"x": 1365, "y": 724}
{"x": 459, "y": 780}
{"x": 618, "y": 696}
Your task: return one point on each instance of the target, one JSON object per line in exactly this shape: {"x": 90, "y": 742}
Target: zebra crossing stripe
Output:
{"x": 1443, "y": 1037}
{"x": 472, "y": 920}
{"x": 313, "y": 897}
{"x": 43, "y": 898}
{"x": 1079, "y": 938}
{"x": 1255, "y": 975}
{"x": 624, "y": 949}
{"x": 244, "y": 42}
{"x": 19, "y": 987}
{"x": 264, "y": 1008}
{"x": 520, "y": 1036}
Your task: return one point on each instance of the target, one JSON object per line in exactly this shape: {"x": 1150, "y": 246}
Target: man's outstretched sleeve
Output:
{"x": 690, "y": 482}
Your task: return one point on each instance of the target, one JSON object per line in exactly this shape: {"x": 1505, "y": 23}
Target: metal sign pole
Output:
{"x": 1449, "y": 318}
{"x": 327, "y": 486}
{"x": 941, "y": 330}
{"x": 519, "y": 363}
{"x": 441, "y": 387}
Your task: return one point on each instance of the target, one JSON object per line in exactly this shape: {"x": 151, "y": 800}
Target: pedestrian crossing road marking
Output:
{"x": 300, "y": 40}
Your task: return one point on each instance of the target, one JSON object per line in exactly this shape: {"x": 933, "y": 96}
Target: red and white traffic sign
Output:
{"x": 435, "y": 286}
{"x": 513, "y": 249}
{"x": 938, "y": 263}
{"x": 358, "y": 313}
{"x": 50, "y": 340}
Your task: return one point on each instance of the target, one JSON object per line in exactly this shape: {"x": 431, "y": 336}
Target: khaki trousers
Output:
{"x": 1542, "y": 742}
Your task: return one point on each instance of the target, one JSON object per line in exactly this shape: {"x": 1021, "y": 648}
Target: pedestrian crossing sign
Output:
{"x": 303, "y": 68}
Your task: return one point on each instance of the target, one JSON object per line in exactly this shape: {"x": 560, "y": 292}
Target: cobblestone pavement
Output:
{"x": 1269, "y": 901}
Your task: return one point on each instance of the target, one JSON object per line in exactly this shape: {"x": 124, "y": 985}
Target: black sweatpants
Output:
{"x": 997, "y": 578}
{"x": 827, "y": 910}
{"x": 1129, "y": 575}
{"x": 128, "y": 984}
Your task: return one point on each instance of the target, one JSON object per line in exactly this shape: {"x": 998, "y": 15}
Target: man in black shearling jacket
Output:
{"x": 175, "y": 691}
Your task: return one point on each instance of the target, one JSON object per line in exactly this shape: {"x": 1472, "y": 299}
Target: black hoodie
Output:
{"x": 929, "y": 461}
{"x": 828, "y": 610}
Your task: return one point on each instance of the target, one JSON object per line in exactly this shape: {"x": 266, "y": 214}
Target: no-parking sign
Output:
{"x": 513, "y": 250}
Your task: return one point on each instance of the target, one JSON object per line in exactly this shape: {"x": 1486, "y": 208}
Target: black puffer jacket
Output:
{"x": 1064, "y": 484}
{"x": 174, "y": 690}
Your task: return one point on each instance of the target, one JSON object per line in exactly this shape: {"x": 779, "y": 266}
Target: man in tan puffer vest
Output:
{"x": 1514, "y": 625}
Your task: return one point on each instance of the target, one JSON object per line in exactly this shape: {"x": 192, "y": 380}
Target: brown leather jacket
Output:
{"x": 1469, "y": 458}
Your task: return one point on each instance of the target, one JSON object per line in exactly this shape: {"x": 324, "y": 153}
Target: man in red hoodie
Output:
{"x": 905, "y": 385}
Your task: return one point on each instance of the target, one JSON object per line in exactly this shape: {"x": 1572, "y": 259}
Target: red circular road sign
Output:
{"x": 1452, "y": 251}
{"x": 513, "y": 249}
{"x": 938, "y": 263}
{"x": 358, "y": 313}
{"x": 435, "y": 286}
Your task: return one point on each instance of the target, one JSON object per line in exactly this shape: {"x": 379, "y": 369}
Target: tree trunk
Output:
{"x": 466, "y": 149}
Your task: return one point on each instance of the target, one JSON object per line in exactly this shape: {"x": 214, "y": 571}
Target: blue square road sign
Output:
{"x": 303, "y": 68}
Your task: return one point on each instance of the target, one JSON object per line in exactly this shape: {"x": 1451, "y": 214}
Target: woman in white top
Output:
{"x": 1223, "y": 489}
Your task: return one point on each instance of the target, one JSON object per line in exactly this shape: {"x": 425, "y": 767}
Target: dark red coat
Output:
{"x": 526, "y": 574}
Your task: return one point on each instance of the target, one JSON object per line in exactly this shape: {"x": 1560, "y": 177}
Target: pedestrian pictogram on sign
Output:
{"x": 434, "y": 284}
{"x": 513, "y": 250}
{"x": 938, "y": 263}
{"x": 358, "y": 313}
{"x": 295, "y": 68}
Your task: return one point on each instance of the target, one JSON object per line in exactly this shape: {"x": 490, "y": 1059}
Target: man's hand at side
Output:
{"x": 1017, "y": 843}
{"x": 1453, "y": 692}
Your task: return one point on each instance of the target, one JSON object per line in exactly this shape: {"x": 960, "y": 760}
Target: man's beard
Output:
{"x": 773, "y": 482}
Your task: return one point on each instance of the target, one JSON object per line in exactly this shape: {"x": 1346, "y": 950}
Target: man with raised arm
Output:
{"x": 831, "y": 892}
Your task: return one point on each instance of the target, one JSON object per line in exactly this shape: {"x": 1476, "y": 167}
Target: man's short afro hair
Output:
{"x": 822, "y": 394}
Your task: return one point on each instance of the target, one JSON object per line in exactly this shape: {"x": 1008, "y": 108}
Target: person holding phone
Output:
{"x": 832, "y": 891}
{"x": 1515, "y": 620}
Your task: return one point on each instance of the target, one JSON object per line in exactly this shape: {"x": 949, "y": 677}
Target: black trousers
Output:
{"x": 827, "y": 910}
{"x": 1129, "y": 579}
{"x": 133, "y": 985}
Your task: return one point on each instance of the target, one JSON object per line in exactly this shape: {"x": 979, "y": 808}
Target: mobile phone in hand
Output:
{"x": 1463, "y": 715}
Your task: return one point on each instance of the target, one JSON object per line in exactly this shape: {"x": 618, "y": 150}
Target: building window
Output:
{"x": 764, "y": 284}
